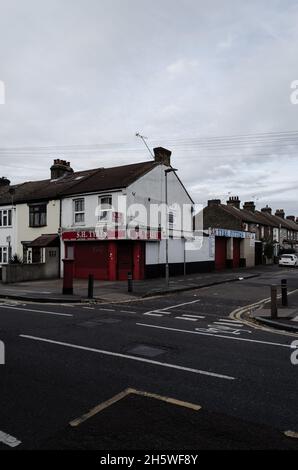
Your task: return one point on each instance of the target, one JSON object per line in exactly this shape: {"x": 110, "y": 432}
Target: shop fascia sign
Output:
{"x": 222, "y": 232}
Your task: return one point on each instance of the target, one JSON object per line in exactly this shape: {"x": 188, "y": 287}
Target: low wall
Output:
{"x": 27, "y": 272}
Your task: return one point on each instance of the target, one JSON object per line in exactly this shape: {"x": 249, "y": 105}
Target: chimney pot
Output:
{"x": 214, "y": 202}
{"x": 60, "y": 168}
{"x": 291, "y": 217}
{"x": 234, "y": 201}
{"x": 267, "y": 210}
{"x": 4, "y": 181}
{"x": 249, "y": 206}
{"x": 162, "y": 155}
{"x": 280, "y": 213}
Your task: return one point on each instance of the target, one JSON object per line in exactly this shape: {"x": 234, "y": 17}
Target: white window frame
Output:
{"x": 3, "y": 251}
{"x": 103, "y": 215}
{"x": 79, "y": 212}
{"x": 5, "y": 214}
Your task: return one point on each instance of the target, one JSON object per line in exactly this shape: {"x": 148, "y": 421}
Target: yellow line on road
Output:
{"x": 131, "y": 391}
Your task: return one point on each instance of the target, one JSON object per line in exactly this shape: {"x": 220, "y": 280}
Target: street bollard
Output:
{"x": 273, "y": 302}
{"x": 129, "y": 281}
{"x": 284, "y": 293}
{"x": 90, "y": 286}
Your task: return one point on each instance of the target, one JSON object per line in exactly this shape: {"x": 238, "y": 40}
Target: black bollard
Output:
{"x": 90, "y": 286}
{"x": 273, "y": 302}
{"x": 284, "y": 293}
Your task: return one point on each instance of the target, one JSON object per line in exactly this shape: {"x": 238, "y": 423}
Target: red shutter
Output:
{"x": 220, "y": 252}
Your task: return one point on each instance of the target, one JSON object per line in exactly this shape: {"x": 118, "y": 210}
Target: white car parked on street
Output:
{"x": 288, "y": 260}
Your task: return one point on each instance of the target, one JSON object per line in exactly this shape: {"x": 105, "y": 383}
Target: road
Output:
{"x": 64, "y": 360}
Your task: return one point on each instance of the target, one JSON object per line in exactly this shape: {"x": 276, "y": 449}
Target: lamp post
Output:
{"x": 168, "y": 170}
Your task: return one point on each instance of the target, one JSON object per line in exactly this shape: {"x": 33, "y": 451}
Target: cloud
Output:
{"x": 184, "y": 71}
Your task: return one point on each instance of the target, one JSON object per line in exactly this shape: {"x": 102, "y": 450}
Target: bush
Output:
{"x": 15, "y": 259}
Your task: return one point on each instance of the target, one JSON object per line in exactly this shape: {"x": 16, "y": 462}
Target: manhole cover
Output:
{"x": 144, "y": 350}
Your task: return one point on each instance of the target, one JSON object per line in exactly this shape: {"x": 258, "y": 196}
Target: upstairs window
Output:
{"x": 105, "y": 203}
{"x": 5, "y": 218}
{"x": 79, "y": 210}
{"x": 37, "y": 215}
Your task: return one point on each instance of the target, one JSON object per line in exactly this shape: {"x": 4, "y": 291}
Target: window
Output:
{"x": 79, "y": 210}
{"x": 5, "y": 218}
{"x": 37, "y": 215}
{"x": 105, "y": 203}
{"x": 3, "y": 254}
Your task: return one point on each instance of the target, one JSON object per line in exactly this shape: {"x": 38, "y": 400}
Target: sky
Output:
{"x": 211, "y": 81}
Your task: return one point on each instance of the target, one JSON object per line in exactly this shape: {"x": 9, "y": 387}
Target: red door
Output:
{"x": 220, "y": 252}
{"x": 125, "y": 260}
{"x": 236, "y": 252}
{"x": 91, "y": 258}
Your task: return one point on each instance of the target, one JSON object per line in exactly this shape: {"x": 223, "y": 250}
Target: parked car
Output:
{"x": 288, "y": 260}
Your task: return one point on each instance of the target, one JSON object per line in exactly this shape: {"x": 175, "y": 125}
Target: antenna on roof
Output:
{"x": 143, "y": 139}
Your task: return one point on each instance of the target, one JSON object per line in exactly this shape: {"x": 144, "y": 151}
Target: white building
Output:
{"x": 114, "y": 222}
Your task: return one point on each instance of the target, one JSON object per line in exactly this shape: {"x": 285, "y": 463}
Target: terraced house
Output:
{"x": 103, "y": 219}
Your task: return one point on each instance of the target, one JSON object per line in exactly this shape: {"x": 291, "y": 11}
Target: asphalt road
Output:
{"x": 63, "y": 360}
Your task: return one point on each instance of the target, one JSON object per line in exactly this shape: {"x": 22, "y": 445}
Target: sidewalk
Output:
{"x": 287, "y": 316}
{"x": 107, "y": 291}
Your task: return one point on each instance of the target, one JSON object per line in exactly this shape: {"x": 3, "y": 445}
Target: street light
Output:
{"x": 169, "y": 170}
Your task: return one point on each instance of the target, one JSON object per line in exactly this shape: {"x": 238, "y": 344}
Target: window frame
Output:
{"x": 79, "y": 212}
{"x": 6, "y": 214}
{"x": 35, "y": 211}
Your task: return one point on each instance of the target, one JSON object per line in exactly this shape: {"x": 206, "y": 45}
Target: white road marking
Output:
{"x": 181, "y": 305}
{"x": 295, "y": 319}
{"x": 228, "y": 324}
{"x": 107, "y": 309}
{"x": 185, "y": 318}
{"x": 38, "y": 311}
{"x": 9, "y": 440}
{"x": 216, "y": 336}
{"x": 126, "y": 356}
{"x": 192, "y": 316}
{"x": 153, "y": 314}
{"x": 227, "y": 320}
{"x": 127, "y": 311}
{"x": 89, "y": 308}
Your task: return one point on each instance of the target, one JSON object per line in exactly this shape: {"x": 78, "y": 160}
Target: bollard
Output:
{"x": 129, "y": 281}
{"x": 90, "y": 286}
{"x": 284, "y": 293}
{"x": 273, "y": 302}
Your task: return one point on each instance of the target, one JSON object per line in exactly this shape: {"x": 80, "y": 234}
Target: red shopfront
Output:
{"x": 105, "y": 259}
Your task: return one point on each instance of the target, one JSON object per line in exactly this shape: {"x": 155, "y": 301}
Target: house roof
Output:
{"x": 98, "y": 179}
{"x": 279, "y": 221}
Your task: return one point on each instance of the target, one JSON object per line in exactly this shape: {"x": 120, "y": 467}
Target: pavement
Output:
{"x": 287, "y": 317}
{"x": 106, "y": 291}
{"x": 200, "y": 378}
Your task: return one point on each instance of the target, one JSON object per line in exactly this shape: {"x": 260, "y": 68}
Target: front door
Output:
{"x": 125, "y": 260}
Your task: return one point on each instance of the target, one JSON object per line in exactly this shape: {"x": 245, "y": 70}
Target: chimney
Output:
{"x": 234, "y": 201}
{"x": 280, "y": 213}
{"x": 60, "y": 168}
{"x": 249, "y": 206}
{"x": 162, "y": 155}
{"x": 214, "y": 202}
{"x": 291, "y": 217}
{"x": 267, "y": 210}
{"x": 4, "y": 181}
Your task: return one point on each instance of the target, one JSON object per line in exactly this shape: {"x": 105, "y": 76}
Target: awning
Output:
{"x": 45, "y": 240}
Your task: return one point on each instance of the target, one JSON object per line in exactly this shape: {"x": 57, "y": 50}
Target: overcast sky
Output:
{"x": 188, "y": 74}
